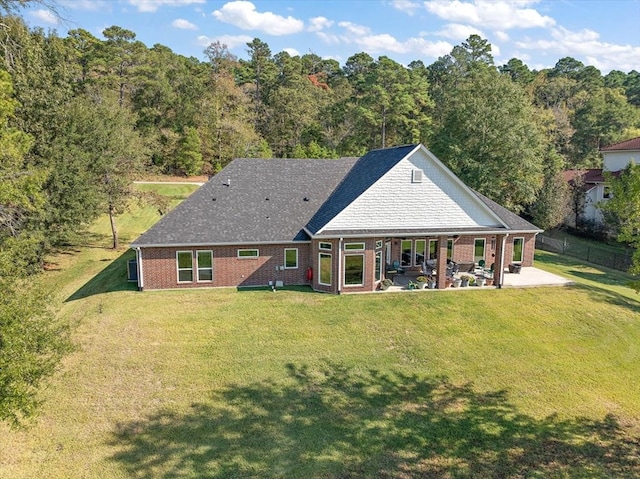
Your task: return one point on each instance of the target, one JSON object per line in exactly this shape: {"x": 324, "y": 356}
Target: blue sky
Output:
{"x": 605, "y": 34}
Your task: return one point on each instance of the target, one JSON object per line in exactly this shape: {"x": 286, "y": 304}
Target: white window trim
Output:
{"x": 416, "y": 176}
{"x": 513, "y": 249}
{"x": 198, "y": 268}
{"x": 320, "y": 255}
{"x": 378, "y": 259}
{"x": 257, "y": 255}
{"x": 356, "y": 246}
{"x": 410, "y": 254}
{"x": 325, "y": 246}
{"x": 178, "y": 268}
{"x": 344, "y": 273}
{"x": 285, "y": 258}
{"x": 484, "y": 248}
{"x": 379, "y": 244}
{"x": 415, "y": 251}
{"x": 434, "y": 241}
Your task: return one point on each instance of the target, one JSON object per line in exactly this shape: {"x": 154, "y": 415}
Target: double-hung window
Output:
{"x": 184, "y": 260}
{"x": 205, "y": 266}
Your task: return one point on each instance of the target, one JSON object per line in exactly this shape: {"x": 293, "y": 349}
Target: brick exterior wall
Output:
{"x": 160, "y": 266}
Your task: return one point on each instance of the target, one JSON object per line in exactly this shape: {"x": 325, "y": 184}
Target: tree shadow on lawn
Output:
{"x": 112, "y": 278}
{"x": 334, "y": 422}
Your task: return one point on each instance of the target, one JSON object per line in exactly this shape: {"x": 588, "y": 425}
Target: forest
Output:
{"x": 82, "y": 117}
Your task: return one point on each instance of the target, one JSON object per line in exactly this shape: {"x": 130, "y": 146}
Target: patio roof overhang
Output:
{"x": 419, "y": 232}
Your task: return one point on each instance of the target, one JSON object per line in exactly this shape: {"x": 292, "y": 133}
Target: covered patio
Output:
{"x": 528, "y": 277}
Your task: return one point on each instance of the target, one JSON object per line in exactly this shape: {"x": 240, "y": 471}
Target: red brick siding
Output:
{"x": 528, "y": 249}
{"x": 160, "y": 270}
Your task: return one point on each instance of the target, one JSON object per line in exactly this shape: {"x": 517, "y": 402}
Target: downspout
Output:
{"x": 140, "y": 274}
{"x": 339, "y": 265}
{"x": 504, "y": 245}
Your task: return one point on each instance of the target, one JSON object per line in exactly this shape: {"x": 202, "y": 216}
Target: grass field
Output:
{"x": 511, "y": 383}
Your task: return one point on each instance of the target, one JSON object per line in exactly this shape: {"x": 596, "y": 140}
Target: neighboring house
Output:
{"x": 592, "y": 182}
{"x": 332, "y": 224}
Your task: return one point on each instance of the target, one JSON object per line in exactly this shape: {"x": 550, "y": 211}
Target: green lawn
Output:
{"x": 511, "y": 383}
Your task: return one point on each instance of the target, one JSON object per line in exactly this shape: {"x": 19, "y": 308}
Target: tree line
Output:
{"x": 81, "y": 117}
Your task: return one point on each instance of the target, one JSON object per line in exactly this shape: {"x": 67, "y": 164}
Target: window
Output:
{"x": 325, "y": 246}
{"x": 433, "y": 249}
{"x": 248, "y": 253}
{"x": 354, "y": 246}
{"x": 421, "y": 246}
{"x": 478, "y": 249}
{"x": 354, "y": 270}
{"x": 416, "y": 176}
{"x": 205, "y": 266}
{"x": 378, "y": 265}
{"x": 290, "y": 258}
{"x": 606, "y": 192}
{"x": 184, "y": 261}
{"x": 405, "y": 247}
{"x": 325, "y": 269}
{"x": 379, "y": 244}
{"x": 518, "y": 249}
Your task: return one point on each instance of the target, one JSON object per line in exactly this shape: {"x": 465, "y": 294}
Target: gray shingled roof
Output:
{"x": 512, "y": 220}
{"x": 369, "y": 169}
{"x": 264, "y": 202}
{"x": 270, "y": 201}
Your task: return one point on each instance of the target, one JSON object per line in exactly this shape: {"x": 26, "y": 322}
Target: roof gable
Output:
{"x": 367, "y": 170}
{"x": 390, "y": 199}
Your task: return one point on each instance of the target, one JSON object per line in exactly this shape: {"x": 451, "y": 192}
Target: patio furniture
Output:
{"x": 397, "y": 267}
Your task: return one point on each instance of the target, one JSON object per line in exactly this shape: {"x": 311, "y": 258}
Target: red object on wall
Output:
{"x": 309, "y": 273}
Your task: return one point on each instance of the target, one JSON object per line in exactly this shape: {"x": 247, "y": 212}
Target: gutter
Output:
{"x": 504, "y": 244}
{"x": 140, "y": 271}
{"x": 339, "y": 278}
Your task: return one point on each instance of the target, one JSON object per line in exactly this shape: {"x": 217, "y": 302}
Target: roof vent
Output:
{"x": 213, "y": 199}
{"x": 416, "y": 176}
{"x": 305, "y": 199}
{"x": 228, "y": 183}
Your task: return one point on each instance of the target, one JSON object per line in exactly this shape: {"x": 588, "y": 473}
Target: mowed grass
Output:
{"x": 539, "y": 382}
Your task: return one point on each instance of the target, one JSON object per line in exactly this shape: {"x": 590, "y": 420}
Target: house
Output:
{"x": 336, "y": 225}
{"x": 593, "y": 184}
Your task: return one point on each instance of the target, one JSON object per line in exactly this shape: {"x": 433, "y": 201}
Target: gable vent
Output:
{"x": 416, "y": 176}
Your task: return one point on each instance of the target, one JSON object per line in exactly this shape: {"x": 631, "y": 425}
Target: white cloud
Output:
{"x": 89, "y": 5}
{"x": 355, "y": 29}
{"x": 502, "y": 36}
{"x": 407, "y": 6}
{"x": 587, "y": 47}
{"x": 154, "y": 5}
{"x": 456, "y": 31}
{"x": 317, "y": 24}
{"x": 243, "y": 14}
{"x": 231, "y": 41}
{"x": 328, "y": 38}
{"x": 499, "y": 14}
{"x": 183, "y": 24}
{"x": 45, "y": 16}
{"x": 292, "y": 51}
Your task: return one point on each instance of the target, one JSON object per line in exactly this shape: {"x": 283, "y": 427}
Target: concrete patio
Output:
{"x": 528, "y": 277}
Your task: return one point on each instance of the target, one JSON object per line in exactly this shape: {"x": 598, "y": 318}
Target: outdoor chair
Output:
{"x": 396, "y": 266}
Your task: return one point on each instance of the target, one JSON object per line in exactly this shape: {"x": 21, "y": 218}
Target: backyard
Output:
{"x": 538, "y": 382}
